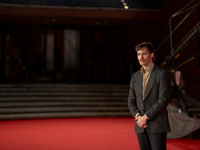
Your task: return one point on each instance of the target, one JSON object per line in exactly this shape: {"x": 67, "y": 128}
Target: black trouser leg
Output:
{"x": 143, "y": 140}
{"x": 148, "y": 141}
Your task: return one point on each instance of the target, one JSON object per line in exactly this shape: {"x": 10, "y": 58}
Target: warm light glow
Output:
{"x": 96, "y": 23}
{"x": 125, "y": 4}
{"x": 126, "y": 7}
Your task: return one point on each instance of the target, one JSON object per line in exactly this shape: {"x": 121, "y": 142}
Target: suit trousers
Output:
{"x": 149, "y": 141}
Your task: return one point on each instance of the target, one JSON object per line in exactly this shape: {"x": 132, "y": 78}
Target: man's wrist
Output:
{"x": 138, "y": 114}
{"x": 146, "y": 117}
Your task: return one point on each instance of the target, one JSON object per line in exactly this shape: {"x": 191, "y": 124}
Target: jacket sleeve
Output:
{"x": 164, "y": 95}
{"x": 132, "y": 103}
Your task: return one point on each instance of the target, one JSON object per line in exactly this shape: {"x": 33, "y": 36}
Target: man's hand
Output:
{"x": 141, "y": 121}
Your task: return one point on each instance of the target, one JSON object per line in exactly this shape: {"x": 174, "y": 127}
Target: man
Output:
{"x": 149, "y": 95}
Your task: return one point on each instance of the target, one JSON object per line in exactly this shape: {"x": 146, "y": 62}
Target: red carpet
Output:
{"x": 77, "y": 133}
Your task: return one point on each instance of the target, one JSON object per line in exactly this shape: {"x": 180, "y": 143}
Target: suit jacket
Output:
{"x": 156, "y": 99}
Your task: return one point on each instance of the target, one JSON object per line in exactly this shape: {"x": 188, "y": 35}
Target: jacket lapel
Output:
{"x": 152, "y": 78}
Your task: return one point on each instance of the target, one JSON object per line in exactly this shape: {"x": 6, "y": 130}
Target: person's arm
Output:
{"x": 132, "y": 99}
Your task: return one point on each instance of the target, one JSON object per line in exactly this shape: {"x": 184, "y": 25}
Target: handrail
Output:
{"x": 187, "y": 61}
{"x": 193, "y": 8}
{"x": 194, "y": 30}
{"x": 182, "y": 44}
{"x": 174, "y": 15}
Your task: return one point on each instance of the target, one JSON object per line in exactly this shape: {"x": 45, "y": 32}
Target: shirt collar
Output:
{"x": 149, "y": 68}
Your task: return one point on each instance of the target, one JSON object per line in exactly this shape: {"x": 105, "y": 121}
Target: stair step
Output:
{"x": 21, "y": 101}
{"x": 76, "y": 86}
{"x": 63, "y": 115}
{"x": 64, "y": 103}
{"x": 49, "y": 89}
{"x": 62, "y": 94}
{"x": 47, "y": 98}
{"x": 61, "y": 109}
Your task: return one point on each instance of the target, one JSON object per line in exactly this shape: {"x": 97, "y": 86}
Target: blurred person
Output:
{"x": 149, "y": 95}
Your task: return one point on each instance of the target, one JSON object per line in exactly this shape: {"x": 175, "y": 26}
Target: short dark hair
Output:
{"x": 148, "y": 45}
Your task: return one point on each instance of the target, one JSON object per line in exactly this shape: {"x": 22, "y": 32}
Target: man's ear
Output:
{"x": 152, "y": 55}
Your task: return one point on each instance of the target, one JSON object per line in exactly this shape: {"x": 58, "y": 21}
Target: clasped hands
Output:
{"x": 141, "y": 121}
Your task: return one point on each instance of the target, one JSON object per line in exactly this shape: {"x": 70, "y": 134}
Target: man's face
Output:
{"x": 144, "y": 56}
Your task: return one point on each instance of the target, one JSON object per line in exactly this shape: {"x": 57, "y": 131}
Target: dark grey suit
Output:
{"x": 156, "y": 99}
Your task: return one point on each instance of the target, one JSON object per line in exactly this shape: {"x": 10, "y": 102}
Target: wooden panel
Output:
{"x": 68, "y": 16}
